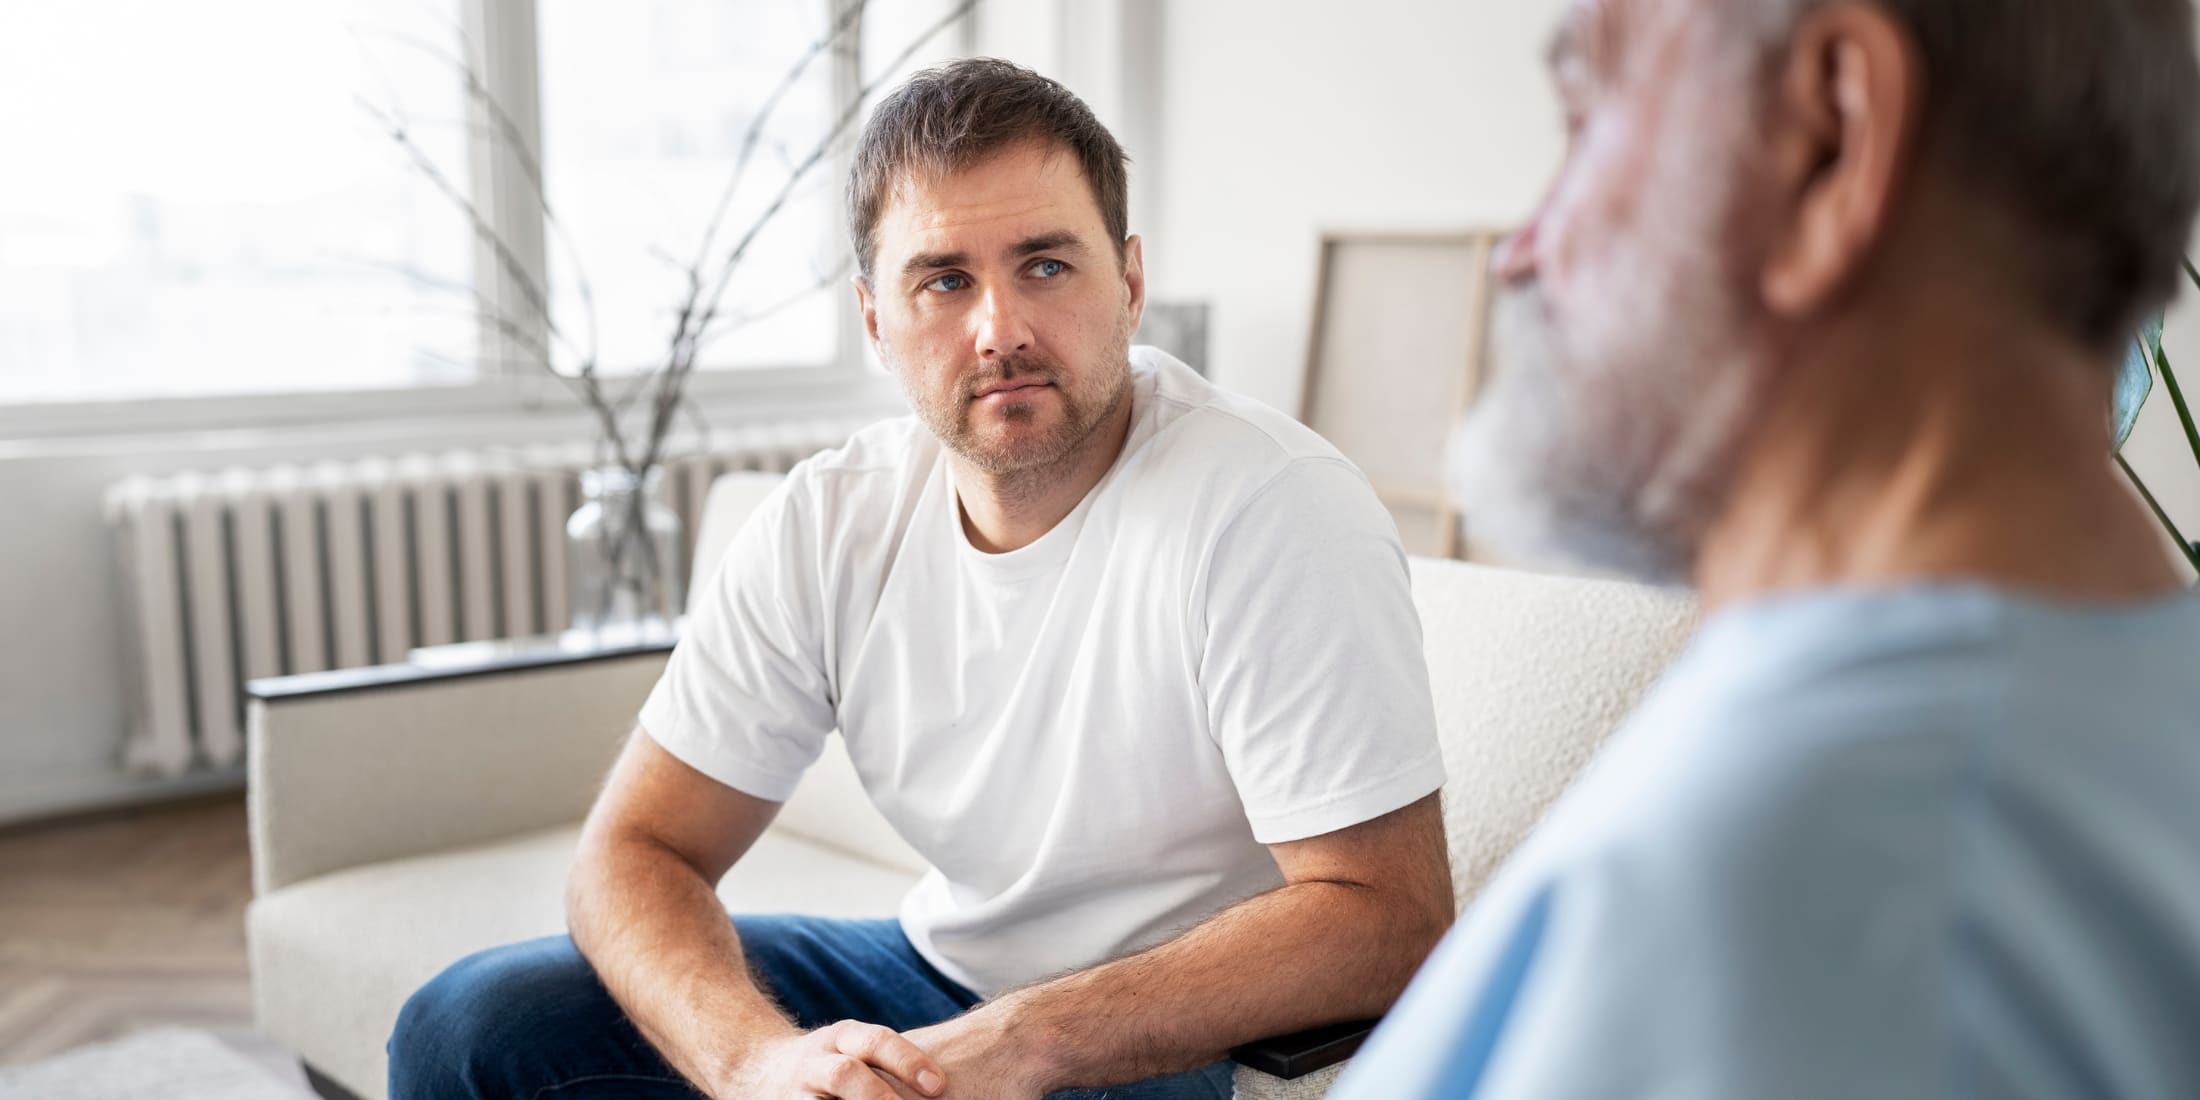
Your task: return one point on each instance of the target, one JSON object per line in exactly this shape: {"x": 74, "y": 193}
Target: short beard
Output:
{"x": 1609, "y": 442}
{"x": 1032, "y": 462}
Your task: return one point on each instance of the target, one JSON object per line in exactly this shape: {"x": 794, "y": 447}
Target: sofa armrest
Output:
{"x": 364, "y": 765}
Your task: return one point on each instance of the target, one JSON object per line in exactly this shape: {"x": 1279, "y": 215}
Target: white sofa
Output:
{"x": 405, "y": 817}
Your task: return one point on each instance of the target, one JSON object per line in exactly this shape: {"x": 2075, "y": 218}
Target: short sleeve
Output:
{"x": 744, "y": 698}
{"x": 1312, "y": 669}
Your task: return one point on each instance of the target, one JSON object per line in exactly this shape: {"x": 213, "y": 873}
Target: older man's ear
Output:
{"x": 1842, "y": 129}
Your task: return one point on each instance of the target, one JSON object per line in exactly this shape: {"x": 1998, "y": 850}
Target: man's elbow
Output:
{"x": 1394, "y": 932}
{"x": 1427, "y": 933}
{"x": 1419, "y": 923}
{"x": 582, "y": 886}
{"x": 603, "y": 859}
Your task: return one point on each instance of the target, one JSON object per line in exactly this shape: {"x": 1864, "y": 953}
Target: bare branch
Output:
{"x": 481, "y": 307}
{"x": 483, "y": 231}
{"x": 480, "y": 311}
{"x": 848, "y": 23}
{"x": 704, "y": 433}
{"x": 644, "y": 382}
{"x": 687, "y": 335}
{"x": 650, "y": 382}
{"x": 826, "y": 280}
{"x": 816, "y": 156}
{"x": 658, "y": 253}
{"x": 507, "y": 262}
{"x": 701, "y": 318}
{"x": 850, "y": 19}
{"x": 507, "y": 129}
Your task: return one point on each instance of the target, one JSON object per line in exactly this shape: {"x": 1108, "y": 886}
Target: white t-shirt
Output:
{"x": 1089, "y": 738}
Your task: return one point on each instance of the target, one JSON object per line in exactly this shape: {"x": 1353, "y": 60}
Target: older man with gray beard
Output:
{"x": 1821, "y": 316}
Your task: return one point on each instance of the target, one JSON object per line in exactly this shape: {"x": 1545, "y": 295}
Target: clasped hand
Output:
{"x": 956, "y": 1060}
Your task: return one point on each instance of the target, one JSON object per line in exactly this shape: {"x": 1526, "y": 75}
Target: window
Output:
{"x": 645, "y": 108}
{"x": 196, "y": 204}
{"x": 205, "y": 200}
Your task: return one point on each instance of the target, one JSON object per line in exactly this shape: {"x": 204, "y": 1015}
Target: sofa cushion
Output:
{"x": 1530, "y": 672}
{"x": 334, "y": 958}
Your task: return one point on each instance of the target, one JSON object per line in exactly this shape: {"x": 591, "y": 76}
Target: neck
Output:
{"x": 1004, "y": 512}
{"x": 1956, "y": 442}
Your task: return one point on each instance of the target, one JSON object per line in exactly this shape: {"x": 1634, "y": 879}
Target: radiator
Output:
{"x": 237, "y": 575}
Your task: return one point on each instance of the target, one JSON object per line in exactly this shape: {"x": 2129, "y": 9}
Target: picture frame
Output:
{"x": 1396, "y": 354}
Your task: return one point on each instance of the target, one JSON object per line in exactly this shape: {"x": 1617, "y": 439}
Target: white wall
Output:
{"x": 1280, "y": 119}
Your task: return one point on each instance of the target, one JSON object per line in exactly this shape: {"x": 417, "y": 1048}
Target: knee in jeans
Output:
{"x": 447, "y": 1038}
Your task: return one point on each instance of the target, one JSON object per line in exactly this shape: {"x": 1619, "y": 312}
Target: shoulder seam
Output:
{"x": 1290, "y": 453}
{"x": 1289, "y": 463}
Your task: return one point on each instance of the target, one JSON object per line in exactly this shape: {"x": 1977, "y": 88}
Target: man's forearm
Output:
{"x": 1298, "y": 957}
{"x": 658, "y": 937}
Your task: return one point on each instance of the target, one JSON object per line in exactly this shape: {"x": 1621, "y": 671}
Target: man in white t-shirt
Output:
{"x": 1131, "y": 661}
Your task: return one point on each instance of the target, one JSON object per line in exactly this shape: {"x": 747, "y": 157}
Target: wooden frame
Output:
{"x": 1390, "y": 300}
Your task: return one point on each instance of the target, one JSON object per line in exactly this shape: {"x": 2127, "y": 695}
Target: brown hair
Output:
{"x": 952, "y": 116}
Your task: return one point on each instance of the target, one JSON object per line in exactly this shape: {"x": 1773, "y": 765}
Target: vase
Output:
{"x": 623, "y": 567}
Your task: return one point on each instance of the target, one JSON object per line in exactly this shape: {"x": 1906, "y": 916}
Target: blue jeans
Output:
{"x": 530, "y": 1021}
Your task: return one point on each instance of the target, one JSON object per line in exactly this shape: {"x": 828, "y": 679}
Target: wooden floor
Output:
{"x": 128, "y": 920}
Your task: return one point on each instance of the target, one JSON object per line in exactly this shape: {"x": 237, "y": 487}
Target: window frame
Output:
{"x": 505, "y": 31}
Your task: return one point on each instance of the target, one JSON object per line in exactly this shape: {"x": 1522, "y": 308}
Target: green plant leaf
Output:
{"x": 2177, "y": 401}
{"x": 2191, "y": 549}
{"x": 2135, "y": 380}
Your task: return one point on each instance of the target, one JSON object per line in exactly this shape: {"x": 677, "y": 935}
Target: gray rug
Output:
{"x": 162, "y": 1064}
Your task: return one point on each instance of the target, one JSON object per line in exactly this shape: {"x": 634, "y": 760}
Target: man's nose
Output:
{"x": 1002, "y": 327}
{"x": 1514, "y": 260}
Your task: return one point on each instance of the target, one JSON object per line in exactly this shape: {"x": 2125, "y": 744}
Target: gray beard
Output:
{"x": 1615, "y": 469}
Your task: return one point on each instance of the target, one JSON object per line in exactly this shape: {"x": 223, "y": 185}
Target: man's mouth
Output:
{"x": 1007, "y": 389}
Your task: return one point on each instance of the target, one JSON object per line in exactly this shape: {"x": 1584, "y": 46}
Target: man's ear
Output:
{"x": 1134, "y": 277}
{"x": 1847, "y": 109}
{"x": 867, "y": 306}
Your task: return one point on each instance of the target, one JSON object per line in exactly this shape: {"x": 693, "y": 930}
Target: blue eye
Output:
{"x": 948, "y": 283}
{"x": 1047, "y": 269}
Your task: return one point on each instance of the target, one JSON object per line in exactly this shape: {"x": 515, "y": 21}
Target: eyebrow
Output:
{"x": 1060, "y": 240}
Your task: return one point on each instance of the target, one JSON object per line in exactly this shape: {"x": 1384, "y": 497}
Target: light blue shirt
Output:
{"x": 1942, "y": 841}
